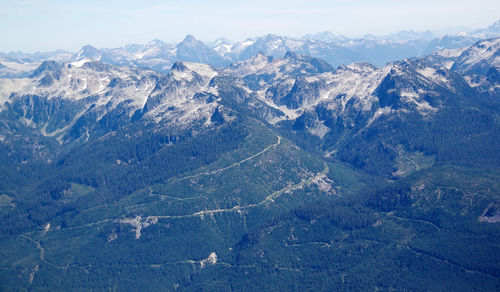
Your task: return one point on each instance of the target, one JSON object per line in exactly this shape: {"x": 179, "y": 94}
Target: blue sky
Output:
{"x": 41, "y": 25}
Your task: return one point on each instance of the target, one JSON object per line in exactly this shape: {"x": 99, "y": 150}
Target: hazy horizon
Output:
{"x": 42, "y": 25}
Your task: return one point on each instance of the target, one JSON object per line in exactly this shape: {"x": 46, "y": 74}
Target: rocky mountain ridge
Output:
{"x": 296, "y": 93}
{"x": 334, "y": 49}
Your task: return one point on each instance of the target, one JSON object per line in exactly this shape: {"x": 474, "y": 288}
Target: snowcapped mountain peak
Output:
{"x": 190, "y": 40}
{"x": 181, "y": 96}
{"x": 291, "y": 86}
{"x": 155, "y": 45}
{"x": 480, "y": 65}
{"x": 94, "y": 89}
{"x": 184, "y": 71}
{"x": 88, "y": 52}
{"x": 104, "y": 82}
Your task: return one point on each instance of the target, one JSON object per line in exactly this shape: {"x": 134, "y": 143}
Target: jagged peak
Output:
{"x": 178, "y": 66}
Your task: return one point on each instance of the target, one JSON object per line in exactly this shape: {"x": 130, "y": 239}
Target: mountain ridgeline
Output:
{"x": 334, "y": 49}
{"x": 270, "y": 170}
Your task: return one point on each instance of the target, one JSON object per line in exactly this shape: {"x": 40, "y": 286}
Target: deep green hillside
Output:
{"x": 166, "y": 224}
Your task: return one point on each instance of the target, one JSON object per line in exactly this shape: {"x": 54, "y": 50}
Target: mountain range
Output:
{"x": 335, "y": 49}
{"x": 260, "y": 165}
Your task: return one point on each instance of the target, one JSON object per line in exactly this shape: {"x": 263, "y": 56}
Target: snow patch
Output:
{"x": 80, "y": 63}
{"x": 423, "y": 106}
{"x": 182, "y": 75}
{"x": 203, "y": 70}
{"x": 432, "y": 74}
